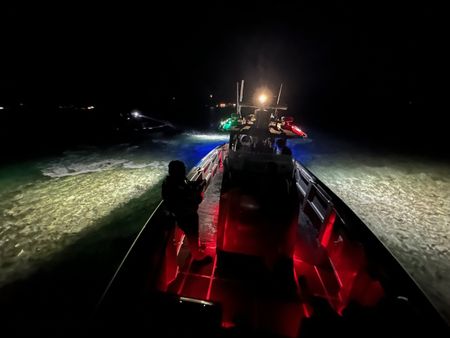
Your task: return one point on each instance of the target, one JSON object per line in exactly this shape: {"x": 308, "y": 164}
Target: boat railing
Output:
{"x": 360, "y": 261}
{"x": 207, "y": 167}
{"x": 119, "y": 269}
{"x": 303, "y": 181}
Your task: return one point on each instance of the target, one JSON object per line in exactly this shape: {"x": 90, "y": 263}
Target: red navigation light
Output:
{"x": 286, "y": 123}
{"x": 298, "y": 131}
{"x": 287, "y": 120}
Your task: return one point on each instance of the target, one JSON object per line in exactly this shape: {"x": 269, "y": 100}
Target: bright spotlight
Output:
{"x": 135, "y": 114}
{"x": 262, "y": 98}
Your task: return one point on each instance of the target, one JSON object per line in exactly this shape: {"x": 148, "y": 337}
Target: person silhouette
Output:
{"x": 182, "y": 198}
{"x": 283, "y": 149}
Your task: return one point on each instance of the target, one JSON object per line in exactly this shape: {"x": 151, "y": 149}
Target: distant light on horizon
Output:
{"x": 1, "y": 108}
{"x": 135, "y": 114}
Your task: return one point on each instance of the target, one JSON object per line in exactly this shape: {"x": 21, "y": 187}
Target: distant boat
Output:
{"x": 136, "y": 123}
{"x": 290, "y": 258}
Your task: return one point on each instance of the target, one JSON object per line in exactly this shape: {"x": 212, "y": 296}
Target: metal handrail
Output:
{"x": 126, "y": 256}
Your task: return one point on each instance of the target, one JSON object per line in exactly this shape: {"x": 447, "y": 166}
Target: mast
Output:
{"x": 241, "y": 96}
{"x": 278, "y": 99}
{"x": 279, "y": 94}
{"x": 238, "y": 108}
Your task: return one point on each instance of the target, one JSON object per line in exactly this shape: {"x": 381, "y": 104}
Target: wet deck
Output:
{"x": 255, "y": 301}
{"x": 270, "y": 300}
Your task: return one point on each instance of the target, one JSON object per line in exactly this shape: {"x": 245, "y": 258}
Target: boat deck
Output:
{"x": 251, "y": 295}
{"x": 302, "y": 265}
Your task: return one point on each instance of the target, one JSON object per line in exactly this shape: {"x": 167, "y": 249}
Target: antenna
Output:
{"x": 279, "y": 94}
{"x": 238, "y": 109}
{"x": 241, "y": 96}
{"x": 278, "y": 100}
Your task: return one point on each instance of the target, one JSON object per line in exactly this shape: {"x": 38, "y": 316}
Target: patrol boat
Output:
{"x": 290, "y": 259}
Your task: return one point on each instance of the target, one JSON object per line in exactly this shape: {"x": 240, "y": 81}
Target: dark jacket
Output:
{"x": 182, "y": 197}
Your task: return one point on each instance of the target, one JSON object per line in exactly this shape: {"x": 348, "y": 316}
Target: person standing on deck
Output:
{"x": 282, "y": 148}
{"x": 182, "y": 198}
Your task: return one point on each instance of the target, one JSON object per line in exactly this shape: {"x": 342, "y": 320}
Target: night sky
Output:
{"x": 368, "y": 71}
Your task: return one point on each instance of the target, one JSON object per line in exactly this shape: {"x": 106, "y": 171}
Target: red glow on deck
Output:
{"x": 306, "y": 311}
{"x": 340, "y": 276}
{"x": 349, "y": 263}
{"x": 228, "y": 325}
{"x": 208, "y": 295}
{"x": 328, "y": 229}
{"x": 335, "y": 270}
{"x": 221, "y": 160}
{"x": 246, "y": 227}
